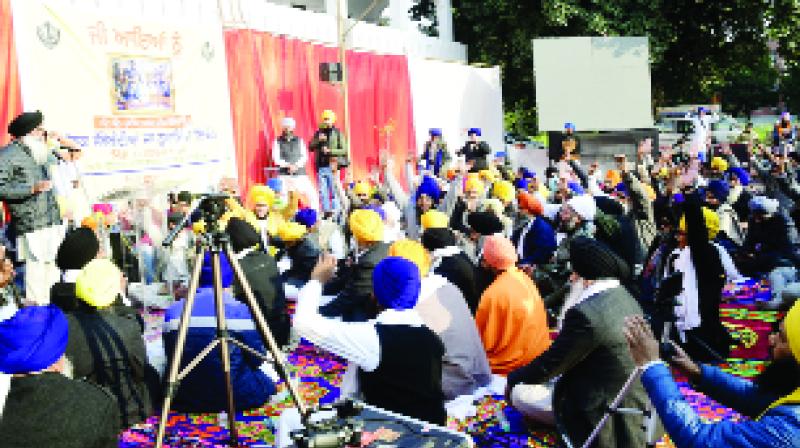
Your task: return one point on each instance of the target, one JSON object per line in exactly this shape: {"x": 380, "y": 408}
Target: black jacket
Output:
{"x": 592, "y": 357}
{"x": 262, "y": 275}
{"x": 459, "y": 271}
{"x": 304, "y": 256}
{"x": 354, "y": 301}
{"x": 51, "y": 410}
{"x": 476, "y": 152}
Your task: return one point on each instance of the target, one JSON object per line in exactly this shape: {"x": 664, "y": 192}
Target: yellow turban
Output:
{"x": 487, "y": 175}
{"x": 291, "y": 231}
{"x": 711, "y": 220}
{"x": 328, "y": 114}
{"x": 651, "y": 194}
{"x": 792, "y": 325}
{"x": 366, "y": 225}
{"x": 474, "y": 183}
{"x": 262, "y": 194}
{"x": 663, "y": 172}
{"x": 434, "y": 219}
{"x": 503, "y": 190}
{"x": 99, "y": 283}
{"x": 719, "y": 164}
{"x": 199, "y": 227}
{"x": 613, "y": 177}
{"x": 362, "y": 187}
{"x": 413, "y": 252}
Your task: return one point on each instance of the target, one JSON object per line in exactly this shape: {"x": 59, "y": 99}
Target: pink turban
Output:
{"x": 499, "y": 253}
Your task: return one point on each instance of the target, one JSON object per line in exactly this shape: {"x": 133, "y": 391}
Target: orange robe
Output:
{"x": 512, "y": 322}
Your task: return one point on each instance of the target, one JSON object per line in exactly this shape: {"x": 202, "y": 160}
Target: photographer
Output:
{"x": 772, "y": 400}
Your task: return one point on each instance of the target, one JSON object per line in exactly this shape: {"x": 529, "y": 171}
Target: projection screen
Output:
{"x": 597, "y": 83}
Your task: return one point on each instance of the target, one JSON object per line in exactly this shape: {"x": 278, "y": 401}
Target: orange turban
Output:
{"x": 529, "y": 203}
{"x": 613, "y": 177}
{"x": 499, "y": 253}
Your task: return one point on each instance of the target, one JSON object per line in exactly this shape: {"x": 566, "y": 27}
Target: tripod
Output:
{"x": 216, "y": 242}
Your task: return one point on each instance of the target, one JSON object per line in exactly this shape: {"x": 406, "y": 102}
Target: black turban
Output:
{"x": 593, "y": 260}
{"x": 25, "y": 123}
{"x": 80, "y": 246}
{"x": 485, "y": 223}
{"x": 438, "y": 238}
{"x": 242, "y": 234}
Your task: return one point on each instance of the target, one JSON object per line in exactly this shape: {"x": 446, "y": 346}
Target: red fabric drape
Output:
{"x": 10, "y": 95}
{"x": 274, "y": 76}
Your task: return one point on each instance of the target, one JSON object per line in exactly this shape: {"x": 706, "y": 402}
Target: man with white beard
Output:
{"x": 26, "y": 187}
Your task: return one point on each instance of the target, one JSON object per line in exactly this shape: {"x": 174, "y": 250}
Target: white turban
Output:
{"x": 393, "y": 214}
{"x": 584, "y": 206}
{"x": 288, "y": 122}
{"x": 764, "y": 204}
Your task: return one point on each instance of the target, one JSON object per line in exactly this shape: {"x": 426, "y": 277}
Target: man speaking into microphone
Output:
{"x": 26, "y": 187}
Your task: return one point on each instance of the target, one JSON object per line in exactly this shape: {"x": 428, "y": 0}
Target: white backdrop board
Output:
{"x": 456, "y": 97}
{"x": 596, "y": 83}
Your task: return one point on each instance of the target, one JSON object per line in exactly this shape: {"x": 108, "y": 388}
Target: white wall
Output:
{"x": 456, "y": 97}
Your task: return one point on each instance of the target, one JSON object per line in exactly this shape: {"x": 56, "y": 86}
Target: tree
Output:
{"x": 698, "y": 49}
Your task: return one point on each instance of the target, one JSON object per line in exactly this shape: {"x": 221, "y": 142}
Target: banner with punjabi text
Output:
{"x": 147, "y": 101}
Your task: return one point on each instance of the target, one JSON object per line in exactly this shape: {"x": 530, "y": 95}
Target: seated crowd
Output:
{"x": 547, "y": 283}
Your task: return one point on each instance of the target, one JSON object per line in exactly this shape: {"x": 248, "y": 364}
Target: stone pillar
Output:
{"x": 444, "y": 15}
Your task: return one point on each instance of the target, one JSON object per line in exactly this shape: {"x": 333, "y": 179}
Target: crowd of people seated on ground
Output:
{"x": 472, "y": 273}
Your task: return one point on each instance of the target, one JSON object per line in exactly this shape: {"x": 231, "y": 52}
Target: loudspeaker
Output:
{"x": 330, "y": 72}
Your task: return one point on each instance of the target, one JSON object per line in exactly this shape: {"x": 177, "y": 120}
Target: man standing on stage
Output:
{"x": 435, "y": 155}
{"x": 475, "y": 151}
{"x": 329, "y": 146}
{"x": 569, "y": 143}
{"x": 289, "y": 154}
{"x": 26, "y": 187}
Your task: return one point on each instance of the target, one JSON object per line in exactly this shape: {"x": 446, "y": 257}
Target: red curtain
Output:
{"x": 10, "y": 95}
{"x": 274, "y": 76}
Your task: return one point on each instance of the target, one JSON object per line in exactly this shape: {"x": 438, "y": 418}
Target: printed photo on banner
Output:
{"x": 142, "y": 84}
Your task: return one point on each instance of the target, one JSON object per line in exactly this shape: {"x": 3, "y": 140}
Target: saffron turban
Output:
{"x": 710, "y": 219}
{"x": 613, "y": 177}
{"x": 474, "y": 183}
{"x": 33, "y": 339}
{"x": 99, "y": 283}
{"x": 503, "y": 190}
{"x": 434, "y": 219}
{"x": 499, "y": 253}
{"x": 530, "y": 204}
{"x": 362, "y": 187}
{"x": 396, "y": 283}
{"x": 306, "y": 217}
{"x": 207, "y": 272}
{"x": 719, "y": 164}
{"x": 291, "y": 231}
{"x": 413, "y": 252}
{"x": 366, "y": 225}
{"x": 262, "y": 194}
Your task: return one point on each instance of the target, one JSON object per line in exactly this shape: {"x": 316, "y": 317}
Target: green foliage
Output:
{"x": 699, "y": 49}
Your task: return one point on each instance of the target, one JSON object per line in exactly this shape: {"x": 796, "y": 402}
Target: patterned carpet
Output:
{"x": 495, "y": 424}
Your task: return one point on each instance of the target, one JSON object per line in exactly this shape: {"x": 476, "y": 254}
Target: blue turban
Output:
{"x": 576, "y": 188}
{"x": 678, "y": 198}
{"x": 720, "y": 189}
{"x": 474, "y": 131}
{"x": 526, "y": 173}
{"x": 396, "y": 283}
{"x": 570, "y": 126}
{"x": 435, "y": 132}
{"x": 521, "y": 184}
{"x": 207, "y": 272}
{"x": 621, "y": 188}
{"x": 275, "y": 184}
{"x": 499, "y": 154}
{"x": 741, "y": 173}
{"x": 33, "y": 339}
{"x": 306, "y": 217}
{"x": 429, "y": 187}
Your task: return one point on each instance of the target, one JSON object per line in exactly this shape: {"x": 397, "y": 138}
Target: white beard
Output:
{"x": 39, "y": 149}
